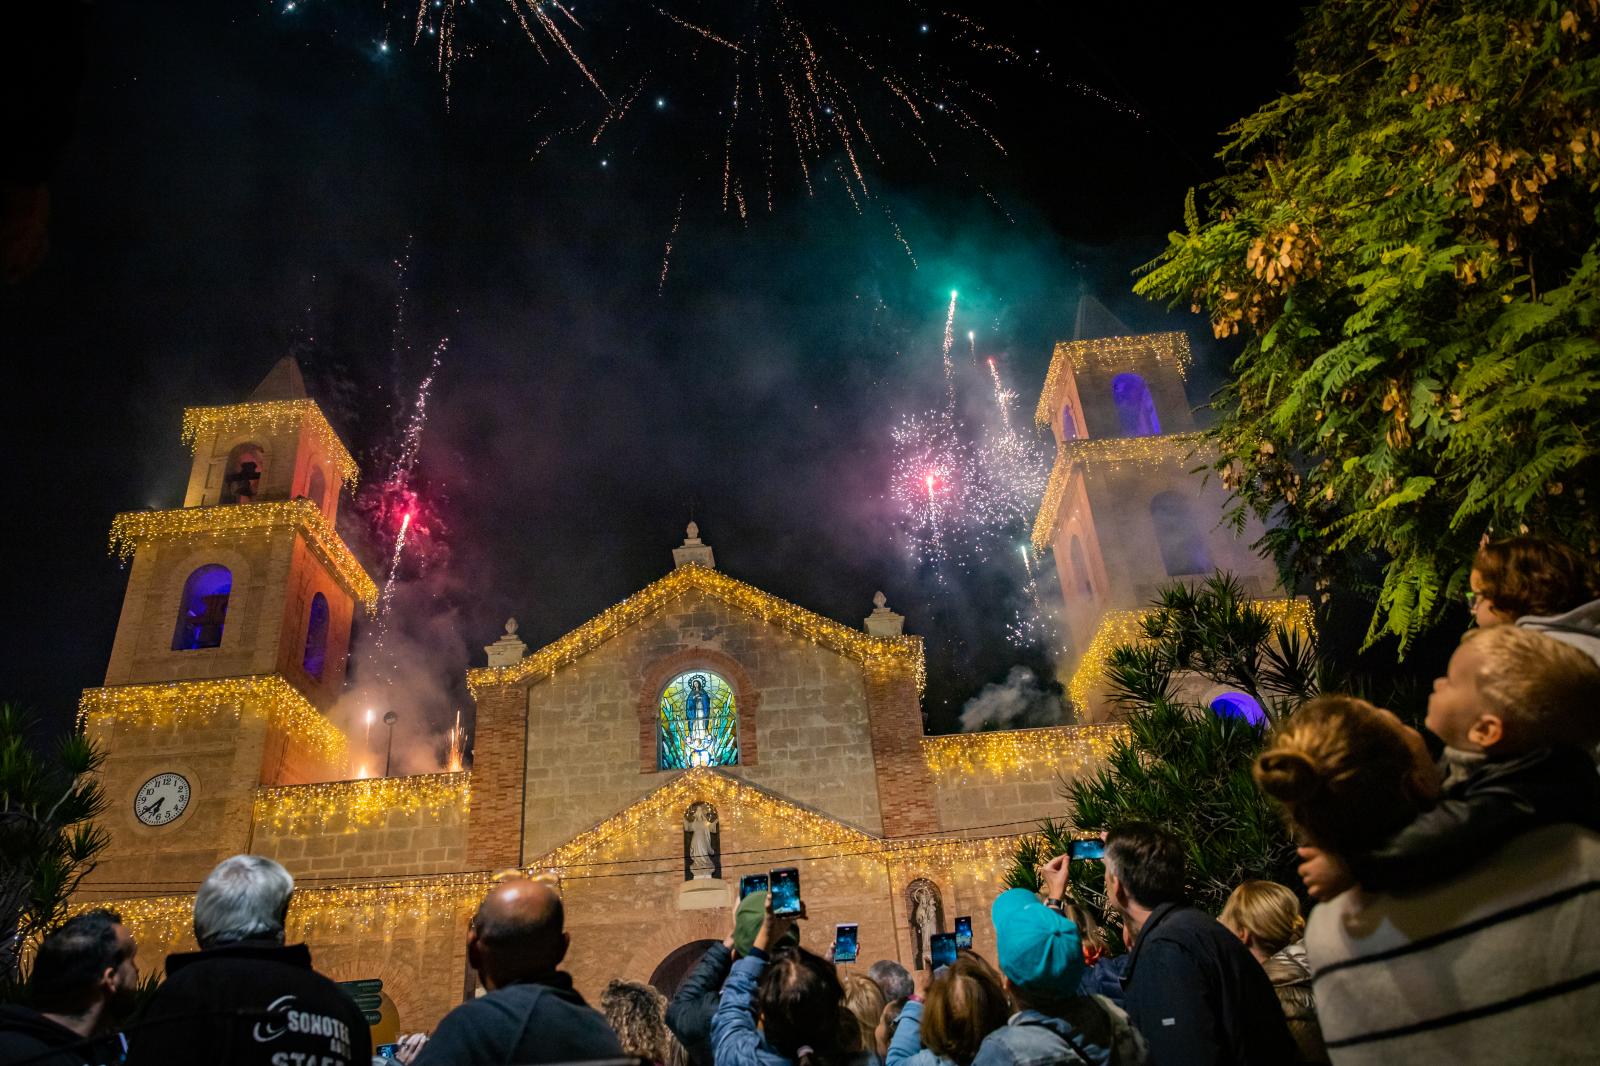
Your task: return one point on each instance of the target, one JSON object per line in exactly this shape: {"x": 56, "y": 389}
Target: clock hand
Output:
{"x": 154, "y": 807}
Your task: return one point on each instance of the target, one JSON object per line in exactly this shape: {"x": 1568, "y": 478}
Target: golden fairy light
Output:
{"x": 177, "y": 703}
{"x": 1109, "y": 353}
{"x": 363, "y": 803}
{"x": 224, "y": 522}
{"x": 1171, "y": 448}
{"x": 203, "y": 423}
{"x": 1011, "y": 752}
{"x": 901, "y": 652}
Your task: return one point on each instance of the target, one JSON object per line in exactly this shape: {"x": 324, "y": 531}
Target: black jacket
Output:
{"x": 28, "y": 1037}
{"x": 1495, "y": 803}
{"x": 543, "y": 1019}
{"x": 689, "y": 1013}
{"x": 248, "y": 1003}
{"x": 1199, "y": 997}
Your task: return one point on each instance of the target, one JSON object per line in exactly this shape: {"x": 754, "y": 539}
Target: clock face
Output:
{"x": 161, "y": 799}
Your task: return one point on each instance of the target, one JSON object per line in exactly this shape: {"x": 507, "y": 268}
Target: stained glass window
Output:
{"x": 698, "y": 725}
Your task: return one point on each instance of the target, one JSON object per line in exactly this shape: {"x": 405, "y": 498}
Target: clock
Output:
{"x": 161, "y": 799}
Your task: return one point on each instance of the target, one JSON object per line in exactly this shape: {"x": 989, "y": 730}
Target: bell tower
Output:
{"x": 234, "y": 636}
{"x": 1124, "y": 512}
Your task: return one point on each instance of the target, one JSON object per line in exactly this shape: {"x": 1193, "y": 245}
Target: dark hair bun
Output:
{"x": 1287, "y": 776}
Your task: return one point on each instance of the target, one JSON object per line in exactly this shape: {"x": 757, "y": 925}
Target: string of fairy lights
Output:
{"x": 1139, "y": 452}
{"x": 348, "y": 806}
{"x": 1127, "y": 627}
{"x": 967, "y": 757}
{"x": 205, "y": 423}
{"x": 207, "y": 701}
{"x": 900, "y": 652}
{"x": 1109, "y": 353}
{"x": 131, "y": 529}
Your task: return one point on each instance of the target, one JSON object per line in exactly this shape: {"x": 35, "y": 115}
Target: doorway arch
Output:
{"x": 670, "y": 971}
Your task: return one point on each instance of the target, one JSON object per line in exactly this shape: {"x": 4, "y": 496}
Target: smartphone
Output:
{"x": 784, "y": 884}
{"x": 752, "y": 883}
{"x": 845, "y": 944}
{"x": 1093, "y": 848}
{"x": 386, "y": 1051}
{"x": 943, "y": 949}
{"x": 964, "y": 932}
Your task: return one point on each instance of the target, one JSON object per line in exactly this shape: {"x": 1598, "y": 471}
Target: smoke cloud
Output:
{"x": 1018, "y": 702}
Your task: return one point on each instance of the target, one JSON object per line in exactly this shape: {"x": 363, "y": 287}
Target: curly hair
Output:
{"x": 1345, "y": 773}
{"x": 638, "y": 1014}
{"x": 1533, "y": 575}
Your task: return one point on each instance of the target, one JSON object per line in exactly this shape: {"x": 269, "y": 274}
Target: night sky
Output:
{"x": 239, "y": 180}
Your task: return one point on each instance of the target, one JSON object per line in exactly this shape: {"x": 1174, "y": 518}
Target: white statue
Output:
{"x": 925, "y": 917}
{"x": 700, "y": 821}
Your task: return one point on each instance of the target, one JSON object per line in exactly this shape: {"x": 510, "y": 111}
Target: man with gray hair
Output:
{"x": 245, "y": 997}
{"x": 892, "y": 978}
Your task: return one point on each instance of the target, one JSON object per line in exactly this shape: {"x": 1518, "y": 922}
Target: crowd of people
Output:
{"x": 1456, "y": 903}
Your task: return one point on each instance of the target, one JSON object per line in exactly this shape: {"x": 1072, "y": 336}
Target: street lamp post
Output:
{"x": 389, "y": 718}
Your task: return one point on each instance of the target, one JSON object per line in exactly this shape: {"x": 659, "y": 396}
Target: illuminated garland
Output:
{"x": 363, "y": 803}
{"x": 1109, "y": 353}
{"x": 1140, "y": 451}
{"x": 201, "y": 701}
{"x": 1125, "y": 627}
{"x": 901, "y": 652}
{"x": 1067, "y": 749}
{"x": 132, "y": 528}
{"x": 200, "y": 423}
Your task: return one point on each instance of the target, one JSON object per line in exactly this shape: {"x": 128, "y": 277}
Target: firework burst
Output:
{"x": 930, "y": 483}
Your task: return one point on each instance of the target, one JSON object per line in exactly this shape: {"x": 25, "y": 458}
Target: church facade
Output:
{"x": 699, "y": 731}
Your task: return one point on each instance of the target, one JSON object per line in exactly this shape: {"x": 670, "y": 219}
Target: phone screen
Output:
{"x": 784, "y": 885}
{"x": 964, "y": 931}
{"x": 845, "y": 946}
{"x": 752, "y": 883}
{"x": 944, "y": 949}
{"x": 1086, "y": 849}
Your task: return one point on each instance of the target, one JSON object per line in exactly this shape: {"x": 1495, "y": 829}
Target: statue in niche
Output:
{"x": 702, "y": 843}
{"x": 927, "y": 918}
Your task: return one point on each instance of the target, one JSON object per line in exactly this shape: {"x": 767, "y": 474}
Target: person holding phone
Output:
{"x": 797, "y": 996}
{"x": 692, "y": 1008}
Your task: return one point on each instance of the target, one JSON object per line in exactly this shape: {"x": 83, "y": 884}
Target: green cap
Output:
{"x": 747, "y": 919}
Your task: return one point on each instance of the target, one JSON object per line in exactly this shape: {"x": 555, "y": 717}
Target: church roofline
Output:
{"x": 267, "y": 415}
{"x": 902, "y": 651}
{"x": 1108, "y": 353}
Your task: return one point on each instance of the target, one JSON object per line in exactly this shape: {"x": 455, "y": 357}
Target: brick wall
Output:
{"x": 905, "y": 791}
{"x": 499, "y": 752}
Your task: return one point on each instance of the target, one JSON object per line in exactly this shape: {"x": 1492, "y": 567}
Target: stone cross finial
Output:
{"x": 509, "y": 649}
{"x": 694, "y": 550}
{"x": 883, "y": 622}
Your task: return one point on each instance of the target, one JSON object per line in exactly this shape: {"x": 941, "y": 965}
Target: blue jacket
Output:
{"x": 1104, "y": 978}
{"x": 905, "y": 1046}
{"x": 691, "y": 1010}
{"x": 735, "y": 1040}
{"x": 1090, "y": 1032}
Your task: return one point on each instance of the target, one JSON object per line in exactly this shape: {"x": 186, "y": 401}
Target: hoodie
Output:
{"x": 1089, "y": 1031}
{"x": 26, "y": 1036}
{"x": 1579, "y": 627}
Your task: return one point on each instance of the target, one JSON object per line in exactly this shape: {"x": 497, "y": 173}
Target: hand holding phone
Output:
{"x": 783, "y": 886}
{"x": 846, "y": 947}
{"x": 964, "y": 932}
{"x": 1093, "y": 848}
{"x": 942, "y": 949}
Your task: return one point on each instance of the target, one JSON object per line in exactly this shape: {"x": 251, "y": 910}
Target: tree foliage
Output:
{"x": 48, "y": 841}
{"x": 1184, "y": 766}
{"x": 1407, "y": 246}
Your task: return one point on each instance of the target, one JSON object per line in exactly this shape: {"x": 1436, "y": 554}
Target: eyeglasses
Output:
{"x": 1473, "y": 598}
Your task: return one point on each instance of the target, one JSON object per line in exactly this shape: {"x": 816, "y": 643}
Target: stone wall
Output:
{"x": 375, "y": 828}
{"x": 586, "y": 749}
{"x": 1006, "y": 782}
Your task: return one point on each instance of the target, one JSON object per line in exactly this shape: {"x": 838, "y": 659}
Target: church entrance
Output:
{"x": 671, "y": 971}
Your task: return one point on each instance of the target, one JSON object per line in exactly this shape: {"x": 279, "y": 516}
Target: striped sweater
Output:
{"x": 1499, "y": 964}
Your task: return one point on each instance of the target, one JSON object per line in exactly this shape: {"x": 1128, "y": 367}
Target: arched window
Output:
{"x": 1069, "y": 424}
{"x": 246, "y": 468}
{"x": 317, "y": 488}
{"x": 697, "y": 724}
{"x": 203, "y": 608}
{"x": 1136, "y": 411}
{"x": 316, "y": 655}
{"x": 1178, "y": 533}
{"x": 1080, "y": 569}
{"x": 1239, "y": 705}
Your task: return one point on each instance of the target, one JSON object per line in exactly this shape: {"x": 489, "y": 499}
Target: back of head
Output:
{"x": 864, "y": 999}
{"x": 1544, "y": 691}
{"x": 71, "y": 960}
{"x": 802, "y": 1005}
{"x": 963, "y": 1006}
{"x": 1148, "y": 860}
{"x": 892, "y": 978}
{"x": 1268, "y": 911}
{"x": 518, "y": 930}
{"x": 1344, "y": 773}
{"x": 245, "y": 897}
{"x": 1533, "y": 576}
{"x": 638, "y": 1014}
